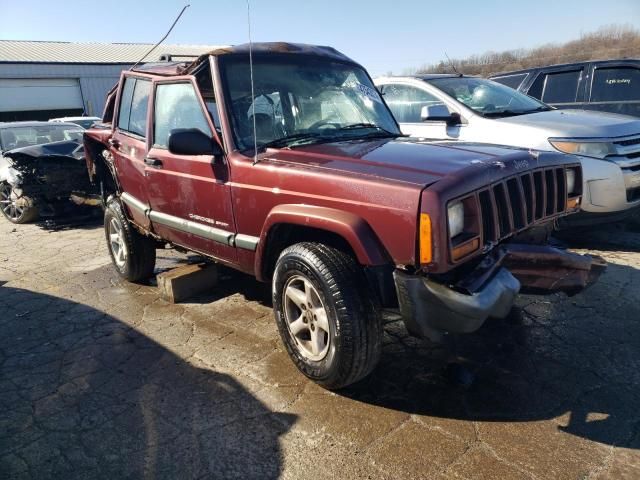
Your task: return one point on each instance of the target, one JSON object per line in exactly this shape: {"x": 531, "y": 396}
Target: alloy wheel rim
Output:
{"x": 116, "y": 243}
{"x": 306, "y": 318}
{"x": 9, "y": 203}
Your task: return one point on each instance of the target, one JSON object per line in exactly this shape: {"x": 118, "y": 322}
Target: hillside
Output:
{"x": 608, "y": 42}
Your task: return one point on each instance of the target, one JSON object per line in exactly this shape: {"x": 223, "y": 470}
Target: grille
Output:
{"x": 627, "y": 143}
{"x": 517, "y": 202}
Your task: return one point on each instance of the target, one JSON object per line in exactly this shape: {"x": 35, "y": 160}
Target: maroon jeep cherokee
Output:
{"x": 303, "y": 179}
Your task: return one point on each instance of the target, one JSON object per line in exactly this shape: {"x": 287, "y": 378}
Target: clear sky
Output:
{"x": 384, "y": 36}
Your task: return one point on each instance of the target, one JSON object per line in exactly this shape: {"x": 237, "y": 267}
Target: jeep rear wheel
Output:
{"x": 16, "y": 208}
{"x": 327, "y": 315}
{"x": 133, "y": 255}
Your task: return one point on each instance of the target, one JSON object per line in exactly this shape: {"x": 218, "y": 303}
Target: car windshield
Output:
{"x": 488, "y": 98}
{"x": 302, "y": 100}
{"x": 26, "y": 136}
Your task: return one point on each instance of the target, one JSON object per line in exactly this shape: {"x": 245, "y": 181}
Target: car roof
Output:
{"x": 35, "y": 124}
{"x": 428, "y": 76}
{"x": 71, "y": 119}
{"x": 572, "y": 64}
{"x": 258, "y": 48}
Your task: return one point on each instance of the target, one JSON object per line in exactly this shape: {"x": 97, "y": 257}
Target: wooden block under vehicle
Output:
{"x": 186, "y": 281}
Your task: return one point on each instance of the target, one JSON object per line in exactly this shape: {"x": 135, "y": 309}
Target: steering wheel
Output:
{"x": 323, "y": 124}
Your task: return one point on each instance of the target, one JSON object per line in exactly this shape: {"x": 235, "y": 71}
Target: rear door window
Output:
{"x": 134, "y": 105}
{"x": 560, "y": 87}
{"x": 615, "y": 84}
{"x": 406, "y": 102}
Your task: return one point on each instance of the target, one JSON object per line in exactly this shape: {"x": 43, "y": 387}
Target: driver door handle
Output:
{"x": 153, "y": 162}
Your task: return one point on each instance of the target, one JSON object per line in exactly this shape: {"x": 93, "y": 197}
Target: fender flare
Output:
{"x": 354, "y": 229}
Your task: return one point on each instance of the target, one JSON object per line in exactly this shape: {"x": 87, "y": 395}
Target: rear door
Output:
{"x": 190, "y": 196}
{"x": 129, "y": 145}
{"x": 562, "y": 87}
{"x": 615, "y": 88}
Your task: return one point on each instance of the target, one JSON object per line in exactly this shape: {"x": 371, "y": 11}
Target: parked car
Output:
{"x": 338, "y": 212}
{"x": 33, "y": 177}
{"x": 460, "y": 107}
{"x": 606, "y": 85}
{"x": 84, "y": 122}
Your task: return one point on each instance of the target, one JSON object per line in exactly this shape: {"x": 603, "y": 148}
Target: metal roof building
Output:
{"x": 42, "y": 80}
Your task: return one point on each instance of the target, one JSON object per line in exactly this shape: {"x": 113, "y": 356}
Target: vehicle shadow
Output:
{"x": 73, "y": 218}
{"x": 83, "y": 395}
{"x": 614, "y": 237}
{"x": 576, "y": 360}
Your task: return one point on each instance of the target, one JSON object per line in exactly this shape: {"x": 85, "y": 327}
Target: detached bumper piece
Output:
{"x": 543, "y": 269}
{"x": 430, "y": 308}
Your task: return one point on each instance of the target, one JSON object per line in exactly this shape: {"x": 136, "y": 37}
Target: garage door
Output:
{"x": 22, "y": 95}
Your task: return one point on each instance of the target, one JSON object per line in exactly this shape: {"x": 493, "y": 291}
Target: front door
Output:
{"x": 189, "y": 194}
{"x": 129, "y": 146}
{"x": 407, "y": 102}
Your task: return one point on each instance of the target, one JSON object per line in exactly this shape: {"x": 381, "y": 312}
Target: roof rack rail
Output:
{"x": 169, "y": 57}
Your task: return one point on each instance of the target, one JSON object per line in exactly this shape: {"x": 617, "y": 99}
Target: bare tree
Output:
{"x": 612, "y": 41}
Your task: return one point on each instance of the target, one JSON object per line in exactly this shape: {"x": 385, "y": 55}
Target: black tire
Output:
{"x": 352, "y": 310}
{"x": 18, "y": 211}
{"x": 139, "y": 259}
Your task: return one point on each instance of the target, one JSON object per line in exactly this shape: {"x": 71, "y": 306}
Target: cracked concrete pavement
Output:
{"x": 102, "y": 379}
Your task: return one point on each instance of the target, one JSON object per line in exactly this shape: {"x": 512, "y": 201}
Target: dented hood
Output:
{"x": 405, "y": 160}
{"x": 67, "y": 148}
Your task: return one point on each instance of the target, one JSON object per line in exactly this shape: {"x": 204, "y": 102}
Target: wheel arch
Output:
{"x": 101, "y": 171}
{"x": 289, "y": 224}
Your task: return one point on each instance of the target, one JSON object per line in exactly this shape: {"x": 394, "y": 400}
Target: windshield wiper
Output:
{"x": 291, "y": 140}
{"x": 541, "y": 108}
{"x": 512, "y": 113}
{"x": 358, "y": 126}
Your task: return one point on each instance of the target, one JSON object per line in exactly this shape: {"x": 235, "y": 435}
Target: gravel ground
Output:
{"x": 102, "y": 379}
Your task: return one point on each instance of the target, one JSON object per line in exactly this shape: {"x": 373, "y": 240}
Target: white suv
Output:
{"x": 463, "y": 108}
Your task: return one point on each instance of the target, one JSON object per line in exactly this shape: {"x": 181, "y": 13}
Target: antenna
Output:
{"x": 451, "y": 64}
{"x": 163, "y": 38}
{"x": 253, "y": 95}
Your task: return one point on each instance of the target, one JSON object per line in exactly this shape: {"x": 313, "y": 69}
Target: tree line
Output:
{"x": 614, "y": 41}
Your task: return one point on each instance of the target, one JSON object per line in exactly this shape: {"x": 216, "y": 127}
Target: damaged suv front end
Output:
{"x": 483, "y": 238}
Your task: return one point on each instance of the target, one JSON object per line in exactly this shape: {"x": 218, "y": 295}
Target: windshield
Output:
{"x": 18, "y": 137}
{"x": 488, "y": 98}
{"x": 302, "y": 100}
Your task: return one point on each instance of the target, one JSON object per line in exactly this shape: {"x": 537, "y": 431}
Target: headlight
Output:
{"x": 455, "y": 212}
{"x": 588, "y": 149}
{"x": 571, "y": 181}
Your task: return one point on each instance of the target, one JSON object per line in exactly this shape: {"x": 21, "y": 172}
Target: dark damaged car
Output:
{"x": 303, "y": 180}
{"x": 41, "y": 166}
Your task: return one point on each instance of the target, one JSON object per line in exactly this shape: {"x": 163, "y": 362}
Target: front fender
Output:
{"x": 354, "y": 229}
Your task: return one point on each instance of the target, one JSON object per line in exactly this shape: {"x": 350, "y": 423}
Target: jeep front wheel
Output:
{"x": 327, "y": 315}
{"x": 133, "y": 255}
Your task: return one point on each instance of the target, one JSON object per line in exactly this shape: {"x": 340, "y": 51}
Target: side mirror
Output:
{"x": 431, "y": 113}
{"x": 191, "y": 141}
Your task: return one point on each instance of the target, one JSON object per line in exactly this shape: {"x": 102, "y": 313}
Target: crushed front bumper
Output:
{"x": 430, "y": 308}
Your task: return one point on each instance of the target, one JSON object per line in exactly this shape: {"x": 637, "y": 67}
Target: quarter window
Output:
{"x": 513, "y": 81}
{"x": 176, "y": 106}
{"x": 406, "y": 102}
{"x": 615, "y": 84}
{"x": 134, "y": 105}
